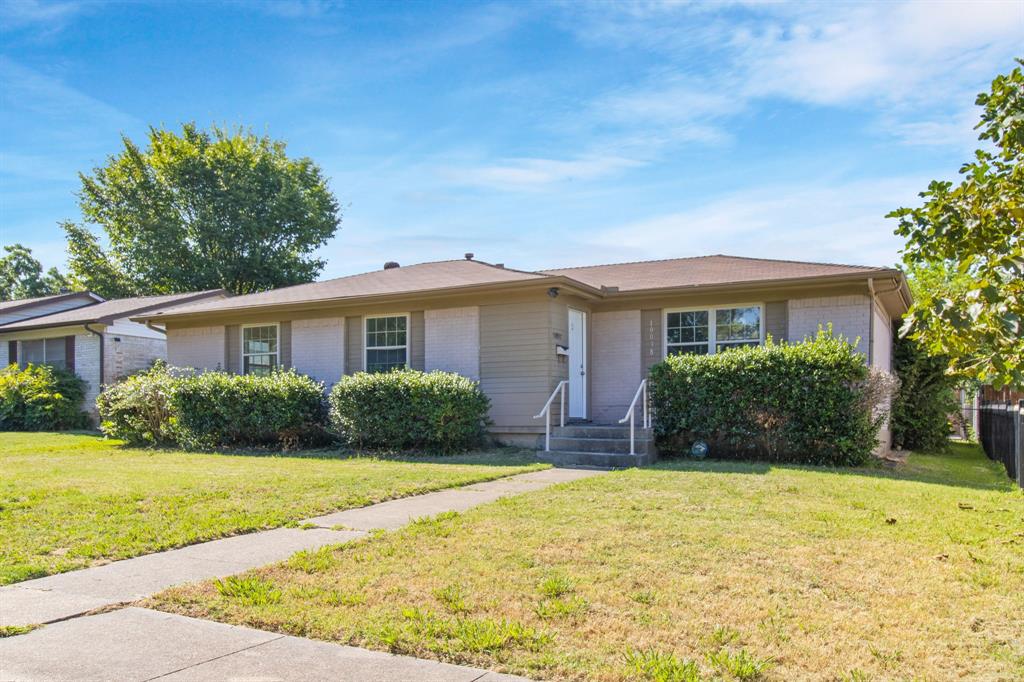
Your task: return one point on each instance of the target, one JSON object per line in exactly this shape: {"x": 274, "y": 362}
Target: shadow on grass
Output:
{"x": 962, "y": 465}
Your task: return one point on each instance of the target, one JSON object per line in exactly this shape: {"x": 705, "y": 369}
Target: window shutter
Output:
{"x": 69, "y": 352}
{"x": 12, "y": 352}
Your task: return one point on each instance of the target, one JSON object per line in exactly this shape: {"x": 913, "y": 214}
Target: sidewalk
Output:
{"x": 135, "y": 643}
{"x": 139, "y": 644}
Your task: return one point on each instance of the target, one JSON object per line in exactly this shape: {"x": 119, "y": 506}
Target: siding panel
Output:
{"x": 776, "y": 320}
{"x": 417, "y": 347}
{"x": 285, "y": 331}
{"x": 517, "y": 360}
{"x": 651, "y": 339}
{"x": 353, "y": 344}
{"x": 616, "y": 368}
{"x": 233, "y": 349}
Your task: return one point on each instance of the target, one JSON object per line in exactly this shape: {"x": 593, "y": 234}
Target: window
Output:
{"x": 259, "y": 349}
{"x": 44, "y": 352}
{"x": 712, "y": 330}
{"x": 387, "y": 343}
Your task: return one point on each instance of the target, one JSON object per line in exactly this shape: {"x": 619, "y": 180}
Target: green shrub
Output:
{"x": 41, "y": 398}
{"x": 137, "y": 410}
{"x": 814, "y": 402}
{"x": 169, "y": 406}
{"x": 215, "y": 409}
{"x": 925, "y": 401}
{"x": 408, "y": 409}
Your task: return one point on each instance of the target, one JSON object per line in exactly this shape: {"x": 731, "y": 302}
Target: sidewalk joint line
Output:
{"x": 215, "y": 658}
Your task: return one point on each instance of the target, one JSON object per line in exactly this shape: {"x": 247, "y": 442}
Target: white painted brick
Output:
{"x": 87, "y": 366}
{"x": 881, "y": 342}
{"x": 849, "y": 315}
{"x": 615, "y": 364}
{"x": 127, "y": 354}
{"x": 451, "y": 340}
{"x": 196, "y": 347}
{"x": 318, "y": 348}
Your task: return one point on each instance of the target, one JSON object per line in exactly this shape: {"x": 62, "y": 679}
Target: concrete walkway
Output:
{"x": 60, "y": 599}
{"x": 140, "y": 644}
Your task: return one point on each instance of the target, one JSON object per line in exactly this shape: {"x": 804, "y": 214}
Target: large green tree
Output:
{"x": 201, "y": 210}
{"x": 22, "y": 276}
{"x": 974, "y": 233}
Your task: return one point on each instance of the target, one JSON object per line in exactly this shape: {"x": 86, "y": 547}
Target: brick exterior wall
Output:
{"x": 318, "y": 348}
{"x": 850, "y": 317}
{"x": 615, "y": 363}
{"x": 129, "y": 355}
{"x": 452, "y": 340}
{"x": 198, "y": 347}
{"x": 87, "y": 366}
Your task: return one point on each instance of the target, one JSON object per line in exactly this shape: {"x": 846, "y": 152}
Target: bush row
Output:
{"x": 814, "y": 402}
{"x": 40, "y": 398}
{"x": 397, "y": 410}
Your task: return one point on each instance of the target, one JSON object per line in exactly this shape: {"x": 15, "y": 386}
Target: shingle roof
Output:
{"x": 6, "y": 306}
{"x": 108, "y": 310}
{"x": 702, "y": 271}
{"x": 404, "y": 280}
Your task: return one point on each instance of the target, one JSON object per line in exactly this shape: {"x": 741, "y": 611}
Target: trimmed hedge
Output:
{"x": 814, "y": 402}
{"x": 167, "y": 406}
{"x": 409, "y": 409}
{"x": 216, "y": 409}
{"x": 137, "y": 409}
{"x": 41, "y": 398}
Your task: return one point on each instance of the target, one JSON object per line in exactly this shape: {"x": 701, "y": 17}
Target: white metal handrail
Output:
{"x": 546, "y": 412}
{"x": 631, "y": 418}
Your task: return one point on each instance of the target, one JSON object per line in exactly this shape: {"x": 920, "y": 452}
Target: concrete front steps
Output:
{"x": 598, "y": 445}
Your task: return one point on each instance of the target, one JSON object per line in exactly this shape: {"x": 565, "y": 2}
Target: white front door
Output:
{"x": 577, "y": 363}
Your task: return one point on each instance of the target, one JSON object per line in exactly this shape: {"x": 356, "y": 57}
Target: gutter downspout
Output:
{"x": 102, "y": 343}
{"x": 150, "y": 325}
{"x": 871, "y": 322}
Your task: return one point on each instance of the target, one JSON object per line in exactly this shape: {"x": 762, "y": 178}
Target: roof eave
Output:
{"x": 789, "y": 282}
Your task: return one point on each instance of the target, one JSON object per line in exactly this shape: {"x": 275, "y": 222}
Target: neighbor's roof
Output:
{"x": 402, "y": 280}
{"x": 704, "y": 271}
{"x": 596, "y": 280}
{"x": 108, "y": 311}
{"x": 11, "y": 306}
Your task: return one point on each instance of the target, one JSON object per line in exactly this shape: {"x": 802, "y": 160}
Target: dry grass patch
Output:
{"x": 682, "y": 572}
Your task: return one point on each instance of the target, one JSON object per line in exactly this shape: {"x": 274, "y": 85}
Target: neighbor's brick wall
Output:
{"x": 87, "y": 366}
{"x": 129, "y": 355}
{"x": 850, "y": 317}
{"x": 452, "y": 340}
{"x": 615, "y": 363}
{"x": 197, "y": 347}
{"x": 318, "y": 348}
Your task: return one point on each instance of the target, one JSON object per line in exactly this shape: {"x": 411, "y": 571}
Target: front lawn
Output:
{"x": 683, "y": 571}
{"x": 68, "y": 501}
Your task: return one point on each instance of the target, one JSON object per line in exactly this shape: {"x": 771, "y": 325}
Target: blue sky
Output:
{"x": 535, "y": 134}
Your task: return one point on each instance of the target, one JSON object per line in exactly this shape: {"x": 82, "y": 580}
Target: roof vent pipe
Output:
{"x": 391, "y": 265}
{"x": 469, "y": 256}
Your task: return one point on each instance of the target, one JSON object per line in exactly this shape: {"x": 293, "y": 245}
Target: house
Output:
{"x": 87, "y": 334}
{"x": 521, "y": 333}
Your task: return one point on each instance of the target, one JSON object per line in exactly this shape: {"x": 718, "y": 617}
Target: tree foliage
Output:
{"x": 22, "y": 276}
{"x": 975, "y": 232}
{"x": 201, "y": 210}
{"x": 926, "y": 398}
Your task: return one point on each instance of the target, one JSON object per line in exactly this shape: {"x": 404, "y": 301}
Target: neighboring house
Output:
{"x": 521, "y": 333}
{"x": 88, "y": 335}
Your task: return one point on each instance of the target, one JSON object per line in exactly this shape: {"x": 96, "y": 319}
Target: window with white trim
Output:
{"x": 712, "y": 330}
{"x": 387, "y": 343}
{"x": 51, "y": 352}
{"x": 259, "y": 349}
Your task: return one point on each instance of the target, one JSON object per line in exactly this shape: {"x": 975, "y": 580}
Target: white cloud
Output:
{"x": 841, "y": 222}
{"x": 537, "y": 173}
{"x": 51, "y": 16}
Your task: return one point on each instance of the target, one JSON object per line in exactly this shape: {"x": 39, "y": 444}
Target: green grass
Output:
{"x": 68, "y": 501}
{"x": 685, "y": 571}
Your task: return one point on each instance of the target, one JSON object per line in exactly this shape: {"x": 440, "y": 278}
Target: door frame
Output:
{"x": 584, "y": 351}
